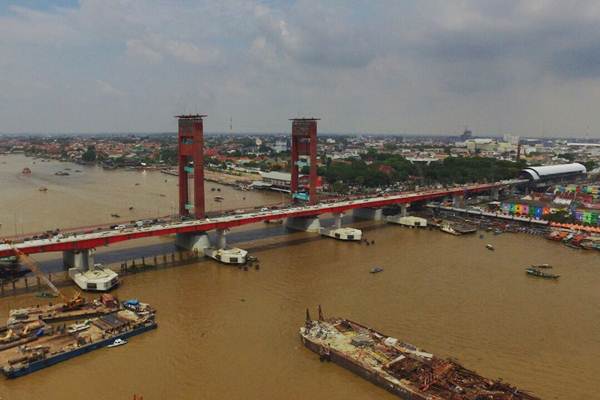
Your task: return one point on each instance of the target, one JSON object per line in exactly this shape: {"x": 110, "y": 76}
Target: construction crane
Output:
{"x": 75, "y": 302}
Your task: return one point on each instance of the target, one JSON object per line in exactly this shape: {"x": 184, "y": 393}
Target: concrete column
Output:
{"x": 375, "y": 214}
{"x": 80, "y": 259}
{"x": 196, "y": 242}
{"x": 458, "y": 201}
{"x": 305, "y": 224}
{"x": 337, "y": 220}
{"x": 495, "y": 194}
{"x": 221, "y": 239}
{"x": 403, "y": 209}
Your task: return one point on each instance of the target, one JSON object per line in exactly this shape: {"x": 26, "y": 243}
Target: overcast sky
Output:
{"x": 529, "y": 68}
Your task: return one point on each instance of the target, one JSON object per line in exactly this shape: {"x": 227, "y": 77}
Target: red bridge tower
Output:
{"x": 191, "y": 149}
{"x": 304, "y": 143}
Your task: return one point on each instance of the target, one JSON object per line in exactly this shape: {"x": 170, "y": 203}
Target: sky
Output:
{"x": 528, "y": 68}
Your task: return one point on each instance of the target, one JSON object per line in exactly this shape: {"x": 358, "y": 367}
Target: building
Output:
{"x": 282, "y": 181}
{"x": 553, "y": 173}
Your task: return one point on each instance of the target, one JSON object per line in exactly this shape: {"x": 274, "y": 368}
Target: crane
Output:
{"x": 76, "y": 301}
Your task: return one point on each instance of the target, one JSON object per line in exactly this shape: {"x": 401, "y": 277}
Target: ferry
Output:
{"x": 400, "y": 368}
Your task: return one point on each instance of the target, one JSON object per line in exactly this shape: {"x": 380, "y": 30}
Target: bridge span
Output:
{"x": 86, "y": 241}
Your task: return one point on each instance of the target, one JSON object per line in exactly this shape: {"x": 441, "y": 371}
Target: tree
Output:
{"x": 89, "y": 155}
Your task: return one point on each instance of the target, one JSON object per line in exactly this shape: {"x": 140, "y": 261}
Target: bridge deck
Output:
{"x": 105, "y": 238}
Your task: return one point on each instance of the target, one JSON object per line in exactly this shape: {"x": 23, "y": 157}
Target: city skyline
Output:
{"x": 418, "y": 68}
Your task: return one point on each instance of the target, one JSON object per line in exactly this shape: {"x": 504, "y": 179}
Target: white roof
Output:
{"x": 547, "y": 170}
{"x": 275, "y": 175}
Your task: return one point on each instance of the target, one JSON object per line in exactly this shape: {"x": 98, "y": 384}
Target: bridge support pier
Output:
{"x": 337, "y": 220}
{"x": 305, "y": 224}
{"x": 375, "y": 214}
{"x": 495, "y": 194}
{"x": 458, "y": 201}
{"x": 221, "y": 239}
{"x": 404, "y": 209}
{"x": 196, "y": 242}
{"x": 80, "y": 259}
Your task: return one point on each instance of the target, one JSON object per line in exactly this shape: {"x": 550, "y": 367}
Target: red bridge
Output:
{"x": 189, "y": 231}
{"x": 76, "y": 242}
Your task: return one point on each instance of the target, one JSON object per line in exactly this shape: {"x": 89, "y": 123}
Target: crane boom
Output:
{"x": 34, "y": 267}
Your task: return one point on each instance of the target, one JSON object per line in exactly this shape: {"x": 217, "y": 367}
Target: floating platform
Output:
{"x": 401, "y": 368}
{"x": 96, "y": 279}
{"x": 227, "y": 256}
{"x": 31, "y": 344}
{"x": 410, "y": 221}
{"x": 351, "y": 234}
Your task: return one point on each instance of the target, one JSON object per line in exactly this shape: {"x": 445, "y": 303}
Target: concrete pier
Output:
{"x": 404, "y": 209}
{"x": 80, "y": 259}
{"x": 374, "y": 214}
{"x": 458, "y": 201}
{"x": 305, "y": 224}
{"x": 196, "y": 242}
{"x": 221, "y": 241}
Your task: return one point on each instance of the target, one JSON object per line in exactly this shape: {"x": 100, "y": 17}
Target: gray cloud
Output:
{"x": 427, "y": 66}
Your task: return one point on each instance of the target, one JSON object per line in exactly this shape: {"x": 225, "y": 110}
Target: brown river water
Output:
{"x": 228, "y": 334}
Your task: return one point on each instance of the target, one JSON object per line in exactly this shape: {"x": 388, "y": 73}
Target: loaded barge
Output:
{"x": 401, "y": 368}
{"x": 32, "y": 340}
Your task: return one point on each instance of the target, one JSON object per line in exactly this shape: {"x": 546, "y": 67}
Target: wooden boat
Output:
{"x": 537, "y": 273}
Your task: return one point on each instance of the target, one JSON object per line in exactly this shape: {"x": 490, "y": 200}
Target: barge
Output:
{"x": 401, "y": 368}
{"x": 30, "y": 344}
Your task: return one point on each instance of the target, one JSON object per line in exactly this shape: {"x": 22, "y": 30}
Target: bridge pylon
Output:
{"x": 304, "y": 144}
{"x": 190, "y": 141}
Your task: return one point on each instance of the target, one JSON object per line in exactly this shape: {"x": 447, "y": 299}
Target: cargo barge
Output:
{"x": 35, "y": 344}
{"x": 400, "y": 368}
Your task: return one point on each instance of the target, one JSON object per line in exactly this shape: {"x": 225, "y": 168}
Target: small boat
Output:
{"x": 26, "y": 171}
{"x": 219, "y": 198}
{"x": 43, "y": 189}
{"x": 118, "y": 342}
{"x": 130, "y": 208}
{"x": 536, "y": 272}
{"x": 489, "y": 247}
{"x": 376, "y": 270}
{"x": 78, "y": 327}
{"x": 545, "y": 266}
{"x": 115, "y": 215}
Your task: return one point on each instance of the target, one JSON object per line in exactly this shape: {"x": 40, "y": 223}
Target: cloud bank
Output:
{"x": 423, "y": 66}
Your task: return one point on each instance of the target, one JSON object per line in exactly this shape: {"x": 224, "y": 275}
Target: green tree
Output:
{"x": 90, "y": 154}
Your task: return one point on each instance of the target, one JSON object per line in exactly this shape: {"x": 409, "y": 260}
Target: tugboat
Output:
{"x": 537, "y": 273}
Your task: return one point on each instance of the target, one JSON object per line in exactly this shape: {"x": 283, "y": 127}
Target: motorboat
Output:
{"x": 78, "y": 327}
{"x": 118, "y": 342}
{"x": 376, "y": 270}
{"x": 536, "y": 272}
{"x": 489, "y": 247}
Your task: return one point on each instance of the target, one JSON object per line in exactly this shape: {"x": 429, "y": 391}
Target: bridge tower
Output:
{"x": 191, "y": 149}
{"x": 304, "y": 143}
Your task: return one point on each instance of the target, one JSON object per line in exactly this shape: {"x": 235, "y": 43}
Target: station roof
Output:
{"x": 546, "y": 171}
